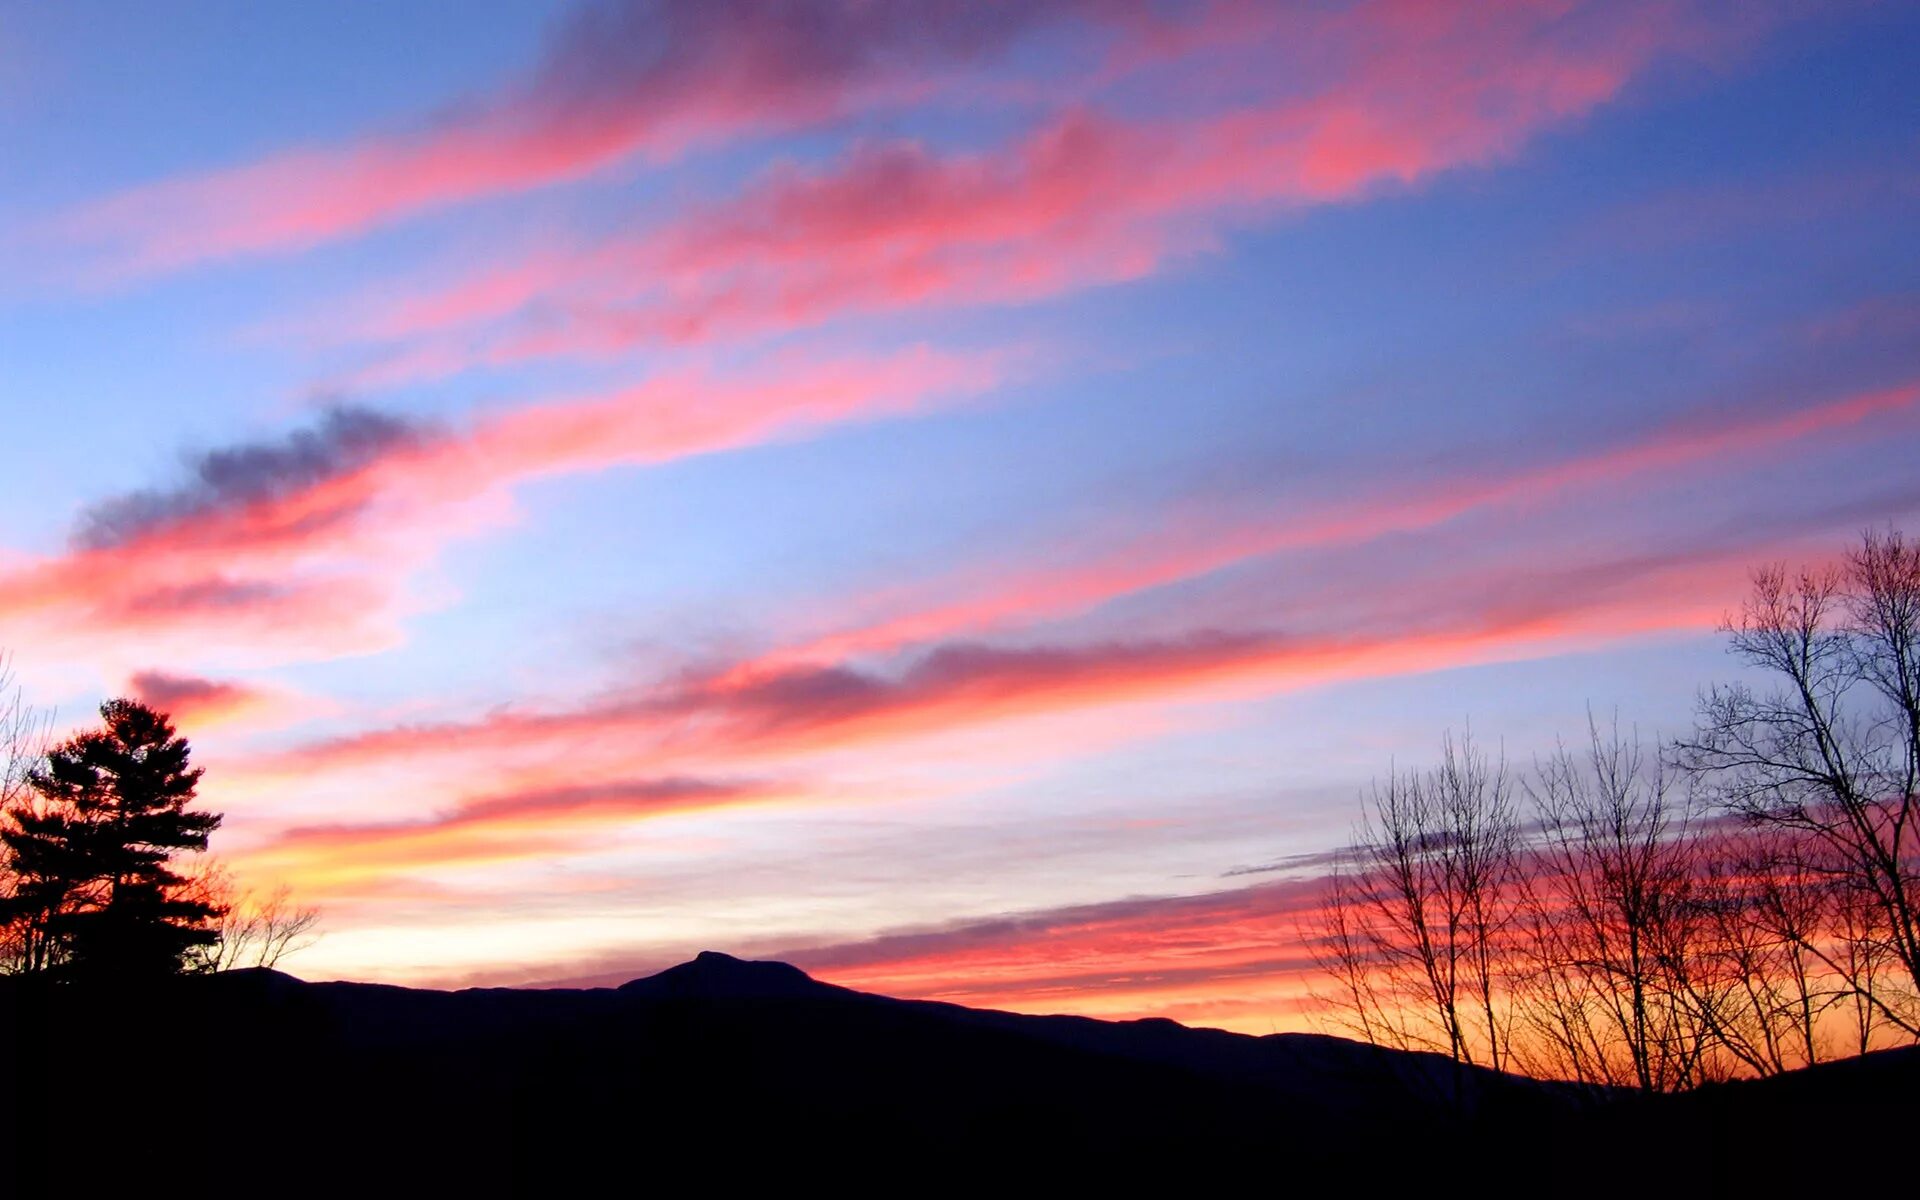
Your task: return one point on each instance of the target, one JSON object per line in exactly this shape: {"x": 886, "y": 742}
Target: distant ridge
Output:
{"x": 763, "y": 1074}
{"x": 714, "y": 975}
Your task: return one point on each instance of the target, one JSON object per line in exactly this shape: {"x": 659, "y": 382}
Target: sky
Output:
{"x": 960, "y": 497}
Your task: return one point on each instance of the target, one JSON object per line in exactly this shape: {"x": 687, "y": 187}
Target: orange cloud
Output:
{"x": 505, "y": 827}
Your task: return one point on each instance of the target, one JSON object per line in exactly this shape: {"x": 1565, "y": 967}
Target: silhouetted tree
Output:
{"x": 22, "y": 746}
{"x": 1616, "y": 986}
{"x": 1417, "y": 915}
{"x": 22, "y": 736}
{"x": 1622, "y": 928}
{"x": 90, "y": 851}
{"x": 1831, "y": 755}
{"x": 252, "y": 929}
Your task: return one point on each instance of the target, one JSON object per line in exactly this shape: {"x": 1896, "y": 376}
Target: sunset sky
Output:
{"x": 961, "y": 497}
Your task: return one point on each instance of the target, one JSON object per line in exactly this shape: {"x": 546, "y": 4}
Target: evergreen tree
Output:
{"x": 90, "y": 853}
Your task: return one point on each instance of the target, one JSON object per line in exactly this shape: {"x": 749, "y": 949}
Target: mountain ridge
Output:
{"x": 503, "y": 1091}
{"x": 717, "y": 976}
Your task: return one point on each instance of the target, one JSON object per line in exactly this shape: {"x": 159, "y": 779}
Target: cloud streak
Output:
{"x": 1377, "y": 96}
{"x": 528, "y": 824}
{"x": 302, "y": 547}
{"x": 786, "y": 715}
{"x": 1186, "y": 550}
{"x": 250, "y": 474}
{"x": 194, "y": 702}
{"x": 619, "y": 79}
{"x": 1207, "y": 958}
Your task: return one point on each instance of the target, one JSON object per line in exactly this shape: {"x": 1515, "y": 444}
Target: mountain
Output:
{"x": 726, "y": 1075}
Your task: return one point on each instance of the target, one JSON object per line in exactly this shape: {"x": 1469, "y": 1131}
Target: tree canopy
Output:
{"x": 90, "y": 848}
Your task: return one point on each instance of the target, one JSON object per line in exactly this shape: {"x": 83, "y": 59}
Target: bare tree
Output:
{"x": 1831, "y": 755}
{"x": 23, "y": 742}
{"x": 255, "y": 929}
{"x": 1770, "y": 910}
{"x": 1415, "y": 921}
{"x": 1338, "y": 935}
{"x": 23, "y": 736}
{"x": 1612, "y": 988}
{"x": 1862, "y": 956}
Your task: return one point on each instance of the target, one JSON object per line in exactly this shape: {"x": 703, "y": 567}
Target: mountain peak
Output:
{"x": 713, "y": 975}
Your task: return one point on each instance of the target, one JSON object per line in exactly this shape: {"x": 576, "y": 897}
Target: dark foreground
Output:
{"x": 720, "y": 1076}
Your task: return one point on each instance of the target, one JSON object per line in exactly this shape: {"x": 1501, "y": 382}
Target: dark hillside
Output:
{"x": 747, "y": 1072}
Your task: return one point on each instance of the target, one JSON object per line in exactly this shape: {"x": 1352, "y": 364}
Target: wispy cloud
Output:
{"x": 251, "y": 474}
{"x": 1186, "y": 547}
{"x": 1372, "y": 97}
{"x": 304, "y": 546}
{"x": 196, "y": 702}
{"x": 619, "y": 78}
{"x": 533, "y": 823}
{"x": 781, "y": 719}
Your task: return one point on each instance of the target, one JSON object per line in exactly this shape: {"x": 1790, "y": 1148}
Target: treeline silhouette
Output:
{"x": 1742, "y": 900}
{"x": 104, "y": 875}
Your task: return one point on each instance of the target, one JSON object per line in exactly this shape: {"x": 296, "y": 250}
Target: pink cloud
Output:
{"x": 620, "y": 78}
{"x": 787, "y": 719}
{"x": 307, "y": 553}
{"x": 195, "y": 702}
{"x": 1377, "y": 96}
{"x": 1185, "y": 549}
{"x": 781, "y": 716}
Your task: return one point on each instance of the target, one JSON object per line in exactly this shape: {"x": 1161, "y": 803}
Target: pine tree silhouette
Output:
{"x": 91, "y": 853}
